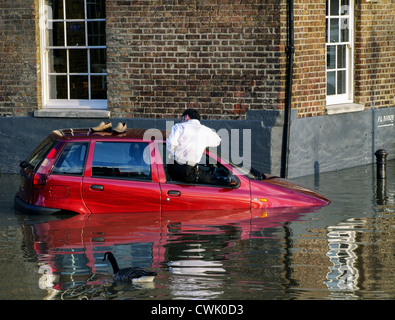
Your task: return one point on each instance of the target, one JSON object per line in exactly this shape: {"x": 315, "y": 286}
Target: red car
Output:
{"x": 80, "y": 171}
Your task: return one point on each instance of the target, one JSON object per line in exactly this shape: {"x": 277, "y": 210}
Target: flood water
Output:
{"x": 341, "y": 252}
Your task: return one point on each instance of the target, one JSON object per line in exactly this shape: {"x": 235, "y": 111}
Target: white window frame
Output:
{"x": 46, "y": 21}
{"x": 347, "y": 97}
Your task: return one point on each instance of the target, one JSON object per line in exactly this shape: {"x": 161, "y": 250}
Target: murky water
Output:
{"x": 343, "y": 251}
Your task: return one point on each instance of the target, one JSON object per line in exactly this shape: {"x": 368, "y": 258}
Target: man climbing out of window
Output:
{"x": 187, "y": 143}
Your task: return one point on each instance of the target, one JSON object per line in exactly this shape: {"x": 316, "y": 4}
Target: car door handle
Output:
{"x": 97, "y": 187}
{"x": 173, "y": 193}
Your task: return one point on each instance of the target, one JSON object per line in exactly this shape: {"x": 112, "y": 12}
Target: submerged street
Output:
{"x": 342, "y": 251}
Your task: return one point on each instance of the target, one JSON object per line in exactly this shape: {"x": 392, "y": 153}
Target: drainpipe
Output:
{"x": 290, "y": 50}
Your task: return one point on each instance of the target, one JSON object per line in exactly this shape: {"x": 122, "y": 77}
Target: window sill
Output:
{"x": 71, "y": 113}
{"x": 344, "y": 108}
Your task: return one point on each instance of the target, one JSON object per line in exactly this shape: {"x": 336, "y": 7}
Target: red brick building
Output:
{"x": 154, "y": 58}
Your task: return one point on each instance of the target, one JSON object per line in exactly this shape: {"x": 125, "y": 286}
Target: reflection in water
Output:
{"x": 343, "y": 251}
{"x": 196, "y": 279}
{"x": 358, "y": 233}
{"x": 195, "y": 288}
{"x": 343, "y": 275}
{"x": 48, "y": 281}
{"x": 70, "y": 251}
{"x": 196, "y": 267}
{"x": 195, "y": 273}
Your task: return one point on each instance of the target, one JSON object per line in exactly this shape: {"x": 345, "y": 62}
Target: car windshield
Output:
{"x": 38, "y": 155}
{"x": 251, "y": 173}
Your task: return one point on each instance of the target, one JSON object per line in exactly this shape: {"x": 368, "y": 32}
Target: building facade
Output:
{"x": 329, "y": 64}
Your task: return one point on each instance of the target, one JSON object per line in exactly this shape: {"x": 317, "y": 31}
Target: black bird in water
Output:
{"x": 134, "y": 274}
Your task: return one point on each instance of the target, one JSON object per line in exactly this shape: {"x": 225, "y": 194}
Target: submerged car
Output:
{"x": 82, "y": 171}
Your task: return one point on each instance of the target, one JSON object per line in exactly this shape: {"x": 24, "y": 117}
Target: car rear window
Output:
{"x": 39, "y": 154}
{"x": 122, "y": 160}
{"x": 72, "y": 159}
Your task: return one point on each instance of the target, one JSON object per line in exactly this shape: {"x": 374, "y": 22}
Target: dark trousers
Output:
{"x": 187, "y": 173}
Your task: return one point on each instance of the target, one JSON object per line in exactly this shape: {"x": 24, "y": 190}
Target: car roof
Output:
{"x": 87, "y": 133}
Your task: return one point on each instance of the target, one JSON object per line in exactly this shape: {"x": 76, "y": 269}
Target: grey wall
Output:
{"x": 20, "y": 135}
{"x": 320, "y": 144}
{"x": 335, "y": 142}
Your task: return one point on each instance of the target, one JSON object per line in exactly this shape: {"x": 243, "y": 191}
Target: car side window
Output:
{"x": 122, "y": 160}
{"x": 72, "y": 159}
{"x": 211, "y": 166}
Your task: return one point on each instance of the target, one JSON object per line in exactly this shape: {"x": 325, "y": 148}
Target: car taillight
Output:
{"x": 51, "y": 153}
{"x": 39, "y": 181}
{"x": 42, "y": 174}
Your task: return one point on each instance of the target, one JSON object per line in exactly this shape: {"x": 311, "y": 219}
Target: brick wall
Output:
{"x": 374, "y": 67}
{"x": 309, "y": 81}
{"x": 222, "y": 57}
{"x": 375, "y": 53}
{"x": 18, "y": 58}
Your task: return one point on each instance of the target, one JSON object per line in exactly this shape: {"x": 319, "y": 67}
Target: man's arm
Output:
{"x": 172, "y": 140}
{"x": 213, "y": 138}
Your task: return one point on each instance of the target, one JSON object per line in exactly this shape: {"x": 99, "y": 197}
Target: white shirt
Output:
{"x": 188, "y": 140}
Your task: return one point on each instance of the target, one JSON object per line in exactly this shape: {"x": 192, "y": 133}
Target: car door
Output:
{"x": 119, "y": 178}
{"x": 177, "y": 195}
{"x": 64, "y": 183}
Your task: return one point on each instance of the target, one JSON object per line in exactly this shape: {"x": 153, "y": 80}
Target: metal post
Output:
{"x": 381, "y": 156}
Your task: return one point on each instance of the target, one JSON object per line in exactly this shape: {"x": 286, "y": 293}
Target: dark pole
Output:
{"x": 381, "y": 156}
{"x": 290, "y": 50}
